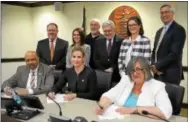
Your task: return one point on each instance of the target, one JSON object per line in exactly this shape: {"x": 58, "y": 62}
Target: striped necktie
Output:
{"x": 32, "y": 83}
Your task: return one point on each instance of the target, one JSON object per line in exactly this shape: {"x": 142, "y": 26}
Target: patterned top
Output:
{"x": 140, "y": 48}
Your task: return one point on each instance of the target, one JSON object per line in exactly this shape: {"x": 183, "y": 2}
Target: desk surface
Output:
{"x": 85, "y": 108}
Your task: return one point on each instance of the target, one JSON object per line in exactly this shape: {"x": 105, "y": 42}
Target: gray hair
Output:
{"x": 95, "y": 20}
{"x": 145, "y": 65}
{"x": 169, "y": 6}
{"x": 108, "y": 23}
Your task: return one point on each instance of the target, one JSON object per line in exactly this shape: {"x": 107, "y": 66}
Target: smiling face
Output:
{"x": 133, "y": 27}
{"x": 137, "y": 74}
{"x": 52, "y": 32}
{"x": 31, "y": 60}
{"x": 108, "y": 32}
{"x": 166, "y": 14}
{"x": 76, "y": 37}
{"x": 94, "y": 27}
{"x": 77, "y": 59}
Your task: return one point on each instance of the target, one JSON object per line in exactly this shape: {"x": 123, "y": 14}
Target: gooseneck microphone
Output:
{"x": 60, "y": 112}
{"x": 147, "y": 113}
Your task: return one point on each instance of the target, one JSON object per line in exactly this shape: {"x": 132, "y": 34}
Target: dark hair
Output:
{"x": 82, "y": 36}
{"x": 78, "y": 48}
{"x": 52, "y": 24}
{"x": 139, "y": 22}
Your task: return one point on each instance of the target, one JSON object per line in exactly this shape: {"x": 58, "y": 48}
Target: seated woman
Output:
{"x": 81, "y": 79}
{"x": 78, "y": 38}
{"x": 137, "y": 92}
{"x": 137, "y": 45}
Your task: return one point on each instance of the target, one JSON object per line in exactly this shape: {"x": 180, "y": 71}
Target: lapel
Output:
{"x": 47, "y": 49}
{"x": 157, "y": 37}
{"x": 39, "y": 75}
{"x": 25, "y": 76}
{"x": 105, "y": 47}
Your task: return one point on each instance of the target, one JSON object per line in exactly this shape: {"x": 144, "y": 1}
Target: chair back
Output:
{"x": 175, "y": 94}
{"x": 103, "y": 82}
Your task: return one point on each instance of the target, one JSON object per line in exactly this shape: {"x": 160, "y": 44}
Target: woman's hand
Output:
{"x": 51, "y": 95}
{"x": 99, "y": 110}
{"x": 126, "y": 110}
{"x": 70, "y": 96}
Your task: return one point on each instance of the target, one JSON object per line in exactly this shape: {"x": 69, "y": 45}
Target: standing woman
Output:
{"x": 136, "y": 45}
{"x": 81, "y": 79}
{"x": 78, "y": 37}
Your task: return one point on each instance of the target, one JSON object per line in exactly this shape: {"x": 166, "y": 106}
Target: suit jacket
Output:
{"x": 59, "y": 59}
{"x": 91, "y": 41}
{"x": 45, "y": 79}
{"x": 104, "y": 61}
{"x": 153, "y": 94}
{"x": 83, "y": 84}
{"x": 169, "y": 54}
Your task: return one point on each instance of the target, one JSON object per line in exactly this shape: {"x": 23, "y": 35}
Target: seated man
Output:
{"x": 32, "y": 78}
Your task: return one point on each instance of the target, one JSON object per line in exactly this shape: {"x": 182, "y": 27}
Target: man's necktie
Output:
{"x": 159, "y": 42}
{"x": 32, "y": 83}
{"x": 109, "y": 46}
{"x": 51, "y": 50}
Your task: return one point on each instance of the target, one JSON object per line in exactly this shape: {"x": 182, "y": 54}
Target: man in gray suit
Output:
{"x": 32, "y": 78}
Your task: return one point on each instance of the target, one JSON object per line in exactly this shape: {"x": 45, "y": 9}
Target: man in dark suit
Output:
{"x": 168, "y": 48}
{"x": 32, "y": 78}
{"x": 52, "y": 51}
{"x": 107, "y": 51}
{"x": 92, "y": 37}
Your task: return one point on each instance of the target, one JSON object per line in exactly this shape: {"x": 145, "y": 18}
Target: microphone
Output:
{"x": 147, "y": 113}
{"x": 60, "y": 112}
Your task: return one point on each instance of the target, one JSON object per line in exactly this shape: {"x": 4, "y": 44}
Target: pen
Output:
{"x": 100, "y": 106}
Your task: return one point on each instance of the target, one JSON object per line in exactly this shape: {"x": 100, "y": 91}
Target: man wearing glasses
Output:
{"x": 168, "y": 48}
{"x": 107, "y": 50}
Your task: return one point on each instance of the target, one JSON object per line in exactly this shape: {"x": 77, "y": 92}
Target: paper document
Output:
{"x": 5, "y": 96}
{"x": 111, "y": 113}
{"x": 58, "y": 98}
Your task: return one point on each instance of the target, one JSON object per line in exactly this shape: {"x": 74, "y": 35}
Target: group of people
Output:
{"x": 130, "y": 60}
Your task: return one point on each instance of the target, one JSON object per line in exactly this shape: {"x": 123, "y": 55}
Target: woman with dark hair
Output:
{"x": 81, "y": 79}
{"x": 136, "y": 45}
{"x": 78, "y": 37}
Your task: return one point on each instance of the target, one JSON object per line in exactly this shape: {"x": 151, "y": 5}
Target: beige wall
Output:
{"x": 28, "y": 25}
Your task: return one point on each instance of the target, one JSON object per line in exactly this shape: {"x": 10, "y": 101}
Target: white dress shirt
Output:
{"x": 28, "y": 86}
{"x": 153, "y": 93}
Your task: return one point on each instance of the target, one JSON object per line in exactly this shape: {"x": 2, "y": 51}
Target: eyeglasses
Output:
{"x": 132, "y": 25}
{"x": 107, "y": 31}
{"x": 137, "y": 70}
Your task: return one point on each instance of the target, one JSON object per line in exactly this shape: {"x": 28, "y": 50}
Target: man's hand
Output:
{"x": 51, "y": 95}
{"x": 22, "y": 91}
{"x": 109, "y": 69}
{"x": 8, "y": 91}
{"x": 70, "y": 96}
{"x": 155, "y": 70}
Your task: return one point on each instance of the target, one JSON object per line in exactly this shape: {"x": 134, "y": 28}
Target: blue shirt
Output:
{"x": 131, "y": 101}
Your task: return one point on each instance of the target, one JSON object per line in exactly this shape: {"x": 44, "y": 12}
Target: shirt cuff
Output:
{"x": 122, "y": 74}
{"x": 30, "y": 91}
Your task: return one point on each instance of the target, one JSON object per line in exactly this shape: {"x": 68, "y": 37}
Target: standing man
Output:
{"x": 52, "y": 51}
{"x": 168, "y": 48}
{"x": 32, "y": 78}
{"x": 107, "y": 50}
{"x": 92, "y": 37}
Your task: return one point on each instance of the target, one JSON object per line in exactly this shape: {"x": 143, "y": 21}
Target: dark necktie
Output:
{"x": 109, "y": 46}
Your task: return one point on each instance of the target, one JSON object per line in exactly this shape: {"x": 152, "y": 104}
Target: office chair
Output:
{"x": 103, "y": 82}
{"x": 57, "y": 74}
{"x": 175, "y": 94}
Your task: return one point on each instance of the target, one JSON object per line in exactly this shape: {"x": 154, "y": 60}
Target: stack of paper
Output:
{"x": 111, "y": 113}
{"x": 58, "y": 98}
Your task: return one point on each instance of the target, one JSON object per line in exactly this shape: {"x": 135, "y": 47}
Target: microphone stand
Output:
{"x": 60, "y": 112}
